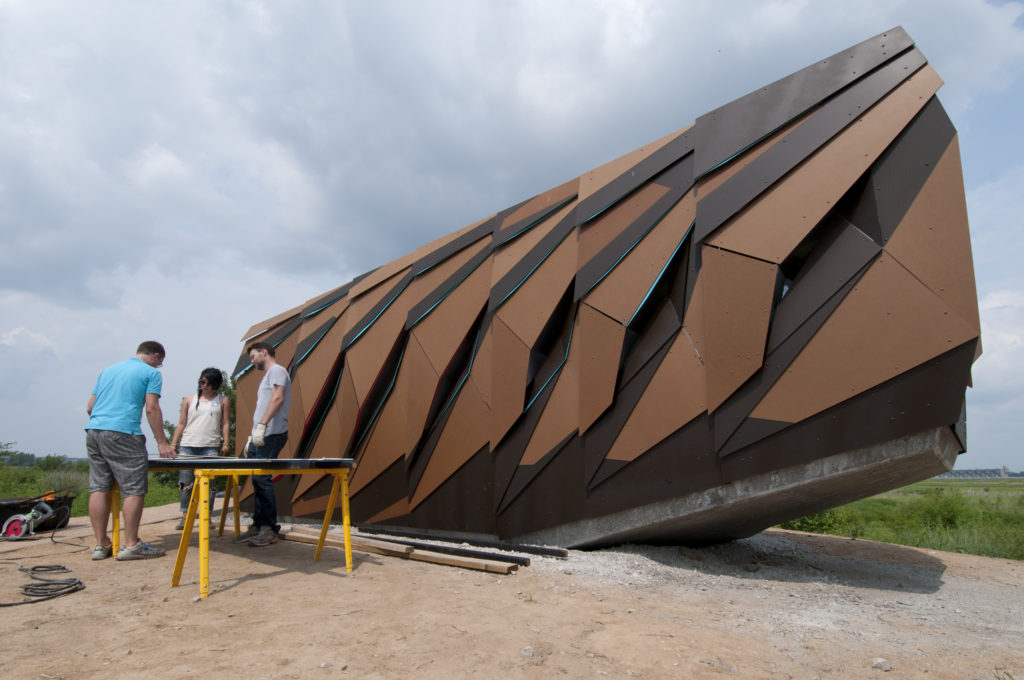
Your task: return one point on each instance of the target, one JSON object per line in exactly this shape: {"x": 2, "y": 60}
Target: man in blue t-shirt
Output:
{"x": 117, "y": 447}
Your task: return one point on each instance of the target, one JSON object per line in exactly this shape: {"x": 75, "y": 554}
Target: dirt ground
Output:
{"x": 777, "y": 605}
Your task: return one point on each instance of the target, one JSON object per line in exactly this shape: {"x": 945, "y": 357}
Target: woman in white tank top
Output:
{"x": 204, "y": 429}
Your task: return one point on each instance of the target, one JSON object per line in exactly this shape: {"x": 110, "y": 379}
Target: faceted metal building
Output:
{"x": 768, "y": 313}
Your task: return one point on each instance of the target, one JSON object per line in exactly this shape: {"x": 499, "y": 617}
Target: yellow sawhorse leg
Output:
{"x": 186, "y": 535}
{"x": 230, "y": 494}
{"x": 340, "y": 484}
{"x": 115, "y": 510}
{"x": 328, "y": 512}
{"x": 200, "y": 501}
{"x": 346, "y": 522}
{"x": 204, "y": 534}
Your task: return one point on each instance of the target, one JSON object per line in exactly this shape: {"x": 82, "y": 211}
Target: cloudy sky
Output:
{"x": 179, "y": 171}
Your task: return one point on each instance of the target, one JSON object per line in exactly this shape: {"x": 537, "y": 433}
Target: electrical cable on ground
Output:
{"x": 49, "y": 588}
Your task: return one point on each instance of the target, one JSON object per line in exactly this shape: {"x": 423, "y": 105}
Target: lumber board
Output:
{"x": 404, "y": 551}
{"x": 542, "y": 550}
{"x": 461, "y": 551}
{"x": 361, "y": 544}
{"x": 491, "y": 566}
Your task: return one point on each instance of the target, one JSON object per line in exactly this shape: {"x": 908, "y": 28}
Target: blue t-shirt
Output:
{"x": 120, "y": 395}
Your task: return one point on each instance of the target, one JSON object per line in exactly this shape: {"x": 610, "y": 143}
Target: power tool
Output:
{"x": 23, "y": 526}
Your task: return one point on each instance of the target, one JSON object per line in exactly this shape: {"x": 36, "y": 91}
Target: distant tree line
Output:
{"x": 11, "y": 457}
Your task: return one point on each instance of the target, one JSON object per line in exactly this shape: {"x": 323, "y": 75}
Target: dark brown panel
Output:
{"x": 422, "y": 380}
{"x": 385, "y": 442}
{"x": 535, "y": 210}
{"x": 464, "y": 502}
{"x": 675, "y": 395}
{"x": 559, "y": 419}
{"x": 370, "y": 345}
{"x": 526, "y": 473}
{"x": 382, "y": 493}
{"x": 662, "y": 327}
{"x": 599, "y": 438}
{"x": 888, "y": 324}
{"x": 509, "y": 377}
{"x": 508, "y": 254}
{"x": 327, "y": 299}
{"x": 921, "y": 399}
{"x": 609, "y": 184}
{"x": 510, "y": 282}
{"x": 843, "y": 252}
{"x": 597, "y": 234}
{"x": 481, "y": 261}
{"x": 680, "y": 464}
{"x": 906, "y": 165}
{"x": 389, "y": 270}
{"x": 595, "y": 353}
{"x": 465, "y": 434}
{"x": 268, "y": 324}
{"x": 620, "y": 293}
{"x": 795, "y": 205}
{"x": 357, "y": 315}
{"x": 508, "y": 454}
{"x": 932, "y": 241}
{"x": 527, "y": 311}
{"x": 734, "y": 413}
{"x": 739, "y": 124}
{"x": 738, "y": 295}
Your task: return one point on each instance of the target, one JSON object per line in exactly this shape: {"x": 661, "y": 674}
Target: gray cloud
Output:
{"x": 269, "y": 151}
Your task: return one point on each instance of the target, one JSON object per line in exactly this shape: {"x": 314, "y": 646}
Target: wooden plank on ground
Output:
{"x": 491, "y": 566}
{"x": 397, "y": 550}
{"x": 362, "y": 544}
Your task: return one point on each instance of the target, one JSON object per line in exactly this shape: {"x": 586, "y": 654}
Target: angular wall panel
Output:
{"x": 738, "y": 293}
{"x": 750, "y": 319}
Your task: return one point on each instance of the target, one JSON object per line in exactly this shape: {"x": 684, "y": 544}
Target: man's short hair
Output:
{"x": 261, "y": 345}
{"x": 151, "y": 347}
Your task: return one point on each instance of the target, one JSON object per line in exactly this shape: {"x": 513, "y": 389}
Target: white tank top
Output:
{"x": 202, "y": 427}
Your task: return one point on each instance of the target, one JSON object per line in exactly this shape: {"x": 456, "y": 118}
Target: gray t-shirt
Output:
{"x": 275, "y": 375}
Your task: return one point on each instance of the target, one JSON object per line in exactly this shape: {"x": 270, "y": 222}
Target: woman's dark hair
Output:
{"x": 213, "y": 377}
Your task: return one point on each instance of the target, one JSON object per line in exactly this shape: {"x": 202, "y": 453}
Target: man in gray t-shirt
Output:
{"x": 269, "y": 434}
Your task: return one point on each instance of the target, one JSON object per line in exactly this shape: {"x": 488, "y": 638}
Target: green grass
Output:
{"x": 976, "y": 516}
{"x": 28, "y": 482}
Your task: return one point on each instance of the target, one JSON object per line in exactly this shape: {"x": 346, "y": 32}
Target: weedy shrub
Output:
{"x": 76, "y": 481}
{"x": 940, "y": 509}
{"x": 836, "y": 521}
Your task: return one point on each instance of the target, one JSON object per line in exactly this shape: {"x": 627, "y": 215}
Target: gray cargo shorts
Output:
{"x": 117, "y": 456}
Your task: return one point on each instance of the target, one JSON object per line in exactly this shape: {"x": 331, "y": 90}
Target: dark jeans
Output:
{"x": 265, "y": 504}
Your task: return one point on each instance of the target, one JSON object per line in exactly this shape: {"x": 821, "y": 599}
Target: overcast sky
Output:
{"x": 180, "y": 171}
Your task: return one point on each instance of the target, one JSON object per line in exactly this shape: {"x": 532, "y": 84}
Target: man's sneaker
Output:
{"x": 266, "y": 536}
{"x": 102, "y": 552}
{"x": 139, "y": 551}
{"x": 244, "y": 537}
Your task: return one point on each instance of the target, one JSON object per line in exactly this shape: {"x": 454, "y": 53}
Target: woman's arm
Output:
{"x": 225, "y": 425}
{"x": 179, "y": 429}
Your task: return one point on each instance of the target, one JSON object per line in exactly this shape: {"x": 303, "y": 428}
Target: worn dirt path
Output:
{"x": 778, "y": 605}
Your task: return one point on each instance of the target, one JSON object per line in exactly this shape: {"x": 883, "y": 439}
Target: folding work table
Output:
{"x": 207, "y": 468}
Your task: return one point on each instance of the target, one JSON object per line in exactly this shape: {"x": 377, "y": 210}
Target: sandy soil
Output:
{"x": 778, "y": 605}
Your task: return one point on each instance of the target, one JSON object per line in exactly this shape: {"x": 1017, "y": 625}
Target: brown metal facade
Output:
{"x": 787, "y": 279}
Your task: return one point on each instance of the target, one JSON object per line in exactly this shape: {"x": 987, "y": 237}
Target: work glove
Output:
{"x": 245, "y": 449}
{"x": 259, "y": 435}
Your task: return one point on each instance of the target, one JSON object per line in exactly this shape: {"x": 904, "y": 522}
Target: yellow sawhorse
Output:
{"x": 200, "y": 505}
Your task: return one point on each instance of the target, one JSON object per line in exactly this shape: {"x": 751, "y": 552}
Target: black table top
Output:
{"x": 224, "y": 462}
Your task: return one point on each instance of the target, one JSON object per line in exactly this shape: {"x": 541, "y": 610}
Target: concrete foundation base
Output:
{"x": 745, "y": 507}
